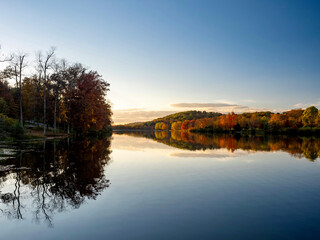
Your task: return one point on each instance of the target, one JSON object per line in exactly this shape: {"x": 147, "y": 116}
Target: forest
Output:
{"x": 168, "y": 120}
{"x": 297, "y": 121}
{"x": 51, "y": 96}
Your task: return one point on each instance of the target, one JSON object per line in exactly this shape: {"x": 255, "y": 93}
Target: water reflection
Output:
{"x": 40, "y": 179}
{"x": 296, "y": 146}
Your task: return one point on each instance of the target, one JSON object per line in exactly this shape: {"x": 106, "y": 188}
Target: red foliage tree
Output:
{"x": 89, "y": 110}
{"x": 184, "y": 125}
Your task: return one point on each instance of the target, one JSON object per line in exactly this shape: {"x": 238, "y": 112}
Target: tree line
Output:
{"x": 164, "y": 123}
{"x": 293, "y": 121}
{"x": 51, "y": 92}
{"x": 307, "y": 120}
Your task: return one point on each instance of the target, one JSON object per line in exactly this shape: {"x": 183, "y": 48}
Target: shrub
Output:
{"x": 17, "y": 130}
{"x": 10, "y": 125}
{"x": 4, "y": 109}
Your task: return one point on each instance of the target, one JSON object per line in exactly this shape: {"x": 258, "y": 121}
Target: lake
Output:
{"x": 161, "y": 185}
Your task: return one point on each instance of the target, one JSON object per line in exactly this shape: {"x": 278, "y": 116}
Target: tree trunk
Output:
{"x": 44, "y": 104}
{"x": 55, "y": 112}
{"x": 20, "y": 97}
{"x": 39, "y": 101}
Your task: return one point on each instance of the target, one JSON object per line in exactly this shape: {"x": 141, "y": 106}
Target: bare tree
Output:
{"x": 5, "y": 58}
{"x": 45, "y": 63}
{"x": 38, "y": 93}
{"x": 18, "y": 64}
{"x": 59, "y": 82}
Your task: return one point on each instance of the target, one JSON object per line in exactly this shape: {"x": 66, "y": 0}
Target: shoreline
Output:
{"x": 259, "y": 132}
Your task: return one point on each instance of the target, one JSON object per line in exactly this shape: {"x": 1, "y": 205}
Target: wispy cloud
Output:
{"x": 299, "y": 105}
{"x": 202, "y": 105}
{"x": 222, "y": 107}
{"x": 248, "y": 101}
{"x": 131, "y": 109}
{"x": 305, "y": 105}
{"x": 130, "y": 115}
{"x": 218, "y": 154}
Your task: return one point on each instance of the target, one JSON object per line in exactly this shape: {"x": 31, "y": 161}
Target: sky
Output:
{"x": 162, "y": 57}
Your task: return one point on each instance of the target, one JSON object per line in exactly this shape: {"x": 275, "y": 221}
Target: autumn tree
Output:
{"x": 7, "y": 97}
{"x": 223, "y": 122}
{"x": 232, "y": 120}
{"x": 165, "y": 126}
{"x": 200, "y": 123}
{"x": 294, "y": 118}
{"x": 176, "y": 126}
{"x": 72, "y": 74}
{"x": 71, "y": 95}
{"x": 309, "y": 117}
{"x": 58, "y": 84}
{"x": 29, "y": 90}
{"x": 191, "y": 124}
{"x": 184, "y": 125}
{"x": 88, "y": 108}
{"x": 276, "y": 121}
{"x": 158, "y": 126}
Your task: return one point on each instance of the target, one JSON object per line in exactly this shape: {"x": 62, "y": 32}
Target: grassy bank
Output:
{"x": 12, "y": 130}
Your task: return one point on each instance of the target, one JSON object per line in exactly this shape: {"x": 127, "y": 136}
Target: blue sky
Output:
{"x": 244, "y": 55}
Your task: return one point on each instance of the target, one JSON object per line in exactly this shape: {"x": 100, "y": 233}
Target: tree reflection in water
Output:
{"x": 53, "y": 176}
{"x": 296, "y": 146}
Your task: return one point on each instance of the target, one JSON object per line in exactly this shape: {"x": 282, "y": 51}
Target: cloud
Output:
{"x": 249, "y": 101}
{"x": 305, "y": 105}
{"x": 223, "y": 107}
{"x": 202, "y": 105}
{"x": 130, "y": 115}
{"x": 131, "y": 110}
{"x": 210, "y": 154}
{"x": 299, "y": 105}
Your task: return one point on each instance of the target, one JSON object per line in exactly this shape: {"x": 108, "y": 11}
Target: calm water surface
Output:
{"x": 161, "y": 186}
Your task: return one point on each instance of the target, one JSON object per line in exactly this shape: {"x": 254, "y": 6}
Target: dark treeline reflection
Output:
{"x": 48, "y": 177}
{"x": 296, "y": 146}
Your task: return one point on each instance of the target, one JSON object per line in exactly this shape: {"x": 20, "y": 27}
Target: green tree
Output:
{"x": 318, "y": 119}
{"x": 309, "y": 117}
{"x": 3, "y": 106}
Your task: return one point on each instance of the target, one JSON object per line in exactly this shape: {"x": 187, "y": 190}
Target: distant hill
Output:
{"x": 181, "y": 116}
{"x": 296, "y": 121}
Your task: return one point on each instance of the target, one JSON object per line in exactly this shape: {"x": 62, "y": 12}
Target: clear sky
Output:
{"x": 168, "y": 56}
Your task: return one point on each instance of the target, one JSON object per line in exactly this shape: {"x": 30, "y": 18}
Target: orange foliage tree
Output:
{"x": 184, "y": 125}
